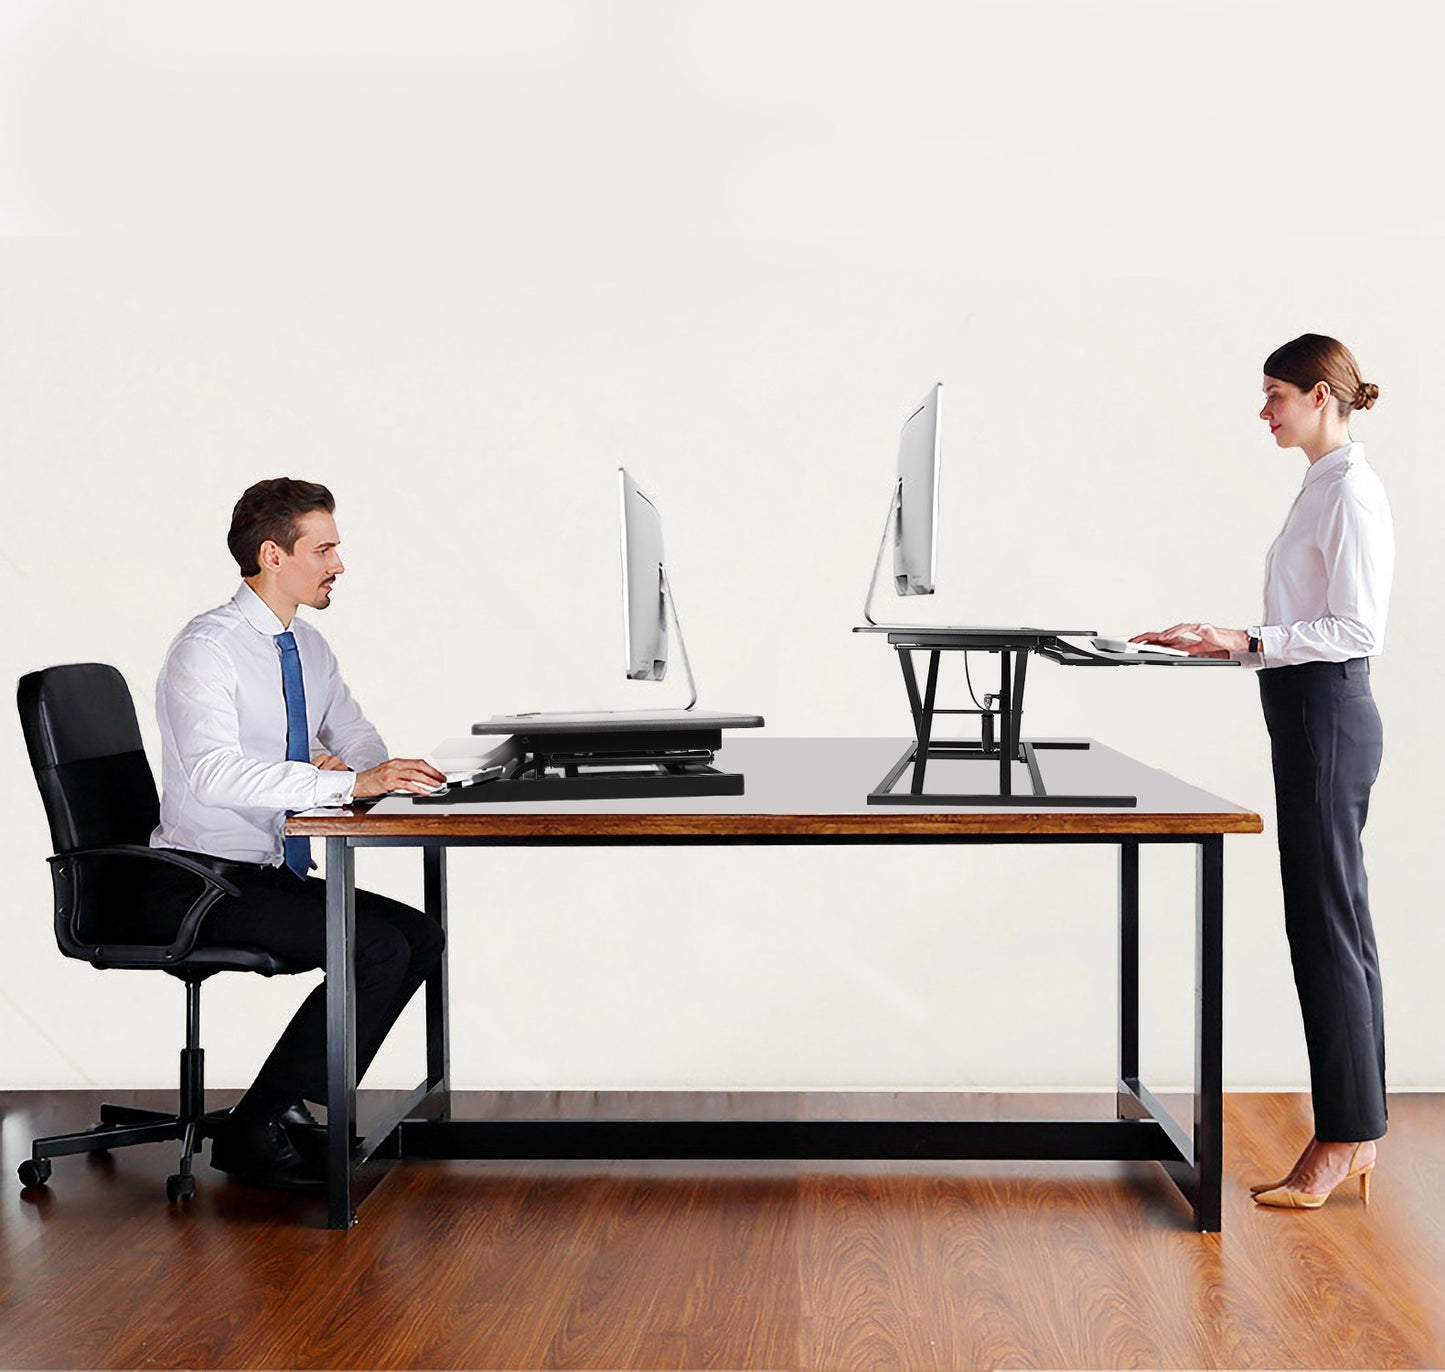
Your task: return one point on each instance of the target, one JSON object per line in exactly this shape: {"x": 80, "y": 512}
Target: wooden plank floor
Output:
{"x": 741, "y": 1265}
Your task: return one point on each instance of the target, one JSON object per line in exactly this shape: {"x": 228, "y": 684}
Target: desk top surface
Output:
{"x": 818, "y": 788}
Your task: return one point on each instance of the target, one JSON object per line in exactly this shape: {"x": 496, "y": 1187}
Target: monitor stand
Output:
{"x": 624, "y": 757}
{"x": 1014, "y": 647}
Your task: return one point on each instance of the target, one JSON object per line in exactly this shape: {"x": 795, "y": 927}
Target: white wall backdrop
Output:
{"x": 460, "y": 261}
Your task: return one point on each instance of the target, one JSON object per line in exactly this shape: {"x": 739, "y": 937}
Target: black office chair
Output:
{"x": 100, "y": 797}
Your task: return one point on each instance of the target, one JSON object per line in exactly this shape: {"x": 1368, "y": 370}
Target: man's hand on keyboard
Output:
{"x": 397, "y": 774}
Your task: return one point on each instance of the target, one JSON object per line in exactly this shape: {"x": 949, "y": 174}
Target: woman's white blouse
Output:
{"x": 1327, "y": 576}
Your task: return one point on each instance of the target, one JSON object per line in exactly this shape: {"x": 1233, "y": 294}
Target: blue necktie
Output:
{"x": 298, "y": 850}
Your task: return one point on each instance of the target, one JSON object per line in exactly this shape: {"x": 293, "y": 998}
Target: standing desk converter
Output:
{"x": 799, "y": 791}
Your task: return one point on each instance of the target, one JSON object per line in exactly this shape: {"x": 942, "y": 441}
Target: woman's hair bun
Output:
{"x": 1313, "y": 357}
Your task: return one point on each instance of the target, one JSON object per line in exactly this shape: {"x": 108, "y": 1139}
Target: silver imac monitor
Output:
{"x": 912, "y": 521}
{"x": 915, "y": 549}
{"x": 647, "y": 602}
{"x": 644, "y": 596}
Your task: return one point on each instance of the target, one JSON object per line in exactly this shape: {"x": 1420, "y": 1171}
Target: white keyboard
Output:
{"x": 598, "y": 716}
{"x": 1121, "y": 647}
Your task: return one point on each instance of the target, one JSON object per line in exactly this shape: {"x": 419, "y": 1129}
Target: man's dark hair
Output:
{"x": 268, "y": 512}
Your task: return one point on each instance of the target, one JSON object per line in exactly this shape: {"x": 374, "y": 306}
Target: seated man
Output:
{"x": 256, "y": 722}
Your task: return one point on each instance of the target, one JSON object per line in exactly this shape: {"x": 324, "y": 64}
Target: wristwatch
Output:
{"x": 1256, "y": 643}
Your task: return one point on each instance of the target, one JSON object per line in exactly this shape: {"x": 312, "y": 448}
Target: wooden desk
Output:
{"x": 799, "y": 791}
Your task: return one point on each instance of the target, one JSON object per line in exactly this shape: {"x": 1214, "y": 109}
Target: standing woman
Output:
{"x": 1326, "y": 591}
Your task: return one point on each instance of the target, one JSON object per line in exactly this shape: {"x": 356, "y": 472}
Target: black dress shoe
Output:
{"x": 257, "y": 1151}
{"x": 310, "y": 1137}
{"x": 298, "y": 1115}
{"x": 307, "y": 1135}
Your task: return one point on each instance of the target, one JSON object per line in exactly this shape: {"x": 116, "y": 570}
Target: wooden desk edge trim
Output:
{"x": 346, "y": 823}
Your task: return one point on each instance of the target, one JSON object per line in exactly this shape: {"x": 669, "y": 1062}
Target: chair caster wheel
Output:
{"x": 34, "y": 1172}
{"x": 179, "y": 1188}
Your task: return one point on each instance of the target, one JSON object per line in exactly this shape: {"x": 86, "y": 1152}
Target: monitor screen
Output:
{"x": 914, "y": 548}
{"x": 644, "y": 608}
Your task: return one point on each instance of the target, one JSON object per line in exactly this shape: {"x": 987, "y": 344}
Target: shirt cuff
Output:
{"x": 1247, "y": 659}
{"x": 334, "y": 788}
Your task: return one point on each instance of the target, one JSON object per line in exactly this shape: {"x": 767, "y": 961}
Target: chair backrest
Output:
{"x": 85, "y": 746}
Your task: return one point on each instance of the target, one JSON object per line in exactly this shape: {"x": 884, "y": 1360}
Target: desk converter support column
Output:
{"x": 1013, "y": 647}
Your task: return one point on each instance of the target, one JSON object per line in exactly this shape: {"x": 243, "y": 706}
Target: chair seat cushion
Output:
{"x": 198, "y": 964}
{"x": 223, "y": 959}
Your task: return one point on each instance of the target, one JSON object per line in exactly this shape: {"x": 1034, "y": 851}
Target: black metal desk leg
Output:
{"x": 340, "y": 1030}
{"x": 1208, "y": 1029}
{"x": 438, "y": 1024}
{"x": 1128, "y": 971}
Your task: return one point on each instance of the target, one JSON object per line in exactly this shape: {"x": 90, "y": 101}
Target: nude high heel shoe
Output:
{"x": 1256, "y": 1187}
{"x": 1312, "y": 1200}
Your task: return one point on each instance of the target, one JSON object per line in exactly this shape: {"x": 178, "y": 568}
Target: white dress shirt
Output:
{"x": 1327, "y": 576}
{"x": 225, "y": 783}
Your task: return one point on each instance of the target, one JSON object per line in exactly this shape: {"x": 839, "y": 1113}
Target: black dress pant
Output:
{"x": 1326, "y": 742}
{"x": 395, "y": 949}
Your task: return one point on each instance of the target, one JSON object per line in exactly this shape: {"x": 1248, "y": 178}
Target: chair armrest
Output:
{"x": 67, "y": 871}
{"x": 167, "y": 856}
